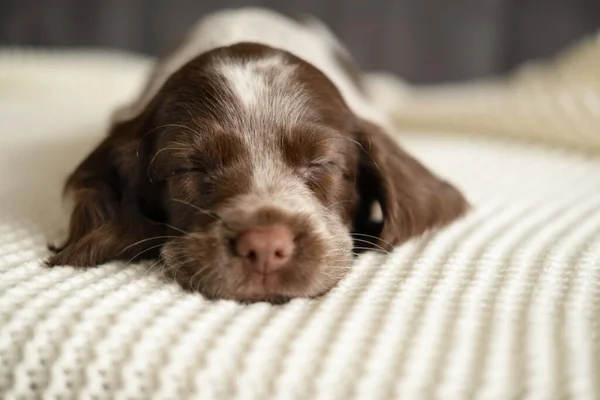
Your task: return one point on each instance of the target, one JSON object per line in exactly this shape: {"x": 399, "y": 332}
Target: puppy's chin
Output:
{"x": 204, "y": 263}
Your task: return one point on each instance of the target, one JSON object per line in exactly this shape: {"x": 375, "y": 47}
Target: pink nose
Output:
{"x": 265, "y": 249}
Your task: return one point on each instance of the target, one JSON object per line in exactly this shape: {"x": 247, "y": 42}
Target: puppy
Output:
{"x": 249, "y": 164}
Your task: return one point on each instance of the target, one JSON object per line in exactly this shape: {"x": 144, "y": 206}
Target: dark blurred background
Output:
{"x": 422, "y": 40}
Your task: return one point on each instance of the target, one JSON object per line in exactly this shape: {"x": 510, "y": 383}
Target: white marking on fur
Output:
{"x": 266, "y": 87}
{"x": 246, "y": 87}
{"x": 249, "y": 80}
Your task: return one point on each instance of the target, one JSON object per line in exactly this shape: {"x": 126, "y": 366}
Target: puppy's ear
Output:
{"x": 413, "y": 200}
{"x": 109, "y": 190}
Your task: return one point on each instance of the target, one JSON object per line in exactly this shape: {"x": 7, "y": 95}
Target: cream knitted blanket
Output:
{"x": 503, "y": 304}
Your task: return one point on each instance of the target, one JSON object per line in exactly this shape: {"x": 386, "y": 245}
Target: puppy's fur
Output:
{"x": 255, "y": 119}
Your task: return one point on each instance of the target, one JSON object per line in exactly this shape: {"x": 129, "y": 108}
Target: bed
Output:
{"x": 503, "y": 304}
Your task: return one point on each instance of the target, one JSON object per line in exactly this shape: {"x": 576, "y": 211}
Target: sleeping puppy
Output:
{"x": 249, "y": 164}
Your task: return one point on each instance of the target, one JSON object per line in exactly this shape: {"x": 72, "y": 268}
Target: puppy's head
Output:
{"x": 250, "y": 176}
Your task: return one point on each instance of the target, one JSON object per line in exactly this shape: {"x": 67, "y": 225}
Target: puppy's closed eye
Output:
{"x": 319, "y": 166}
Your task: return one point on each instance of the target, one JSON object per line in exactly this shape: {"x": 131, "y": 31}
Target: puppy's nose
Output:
{"x": 265, "y": 249}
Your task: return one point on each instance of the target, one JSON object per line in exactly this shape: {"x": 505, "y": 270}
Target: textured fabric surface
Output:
{"x": 503, "y": 304}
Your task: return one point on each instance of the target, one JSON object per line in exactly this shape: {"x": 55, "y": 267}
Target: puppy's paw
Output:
{"x": 81, "y": 253}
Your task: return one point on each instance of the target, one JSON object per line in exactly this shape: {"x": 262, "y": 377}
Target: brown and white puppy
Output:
{"x": 250, "y": 164}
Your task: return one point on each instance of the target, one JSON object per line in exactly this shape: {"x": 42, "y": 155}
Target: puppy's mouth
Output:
{"x": 270, "y": 290}
{"x": 269, "y": 287}
{"x": 268, "y": 256}
{"x": 223, "y": 276}
{"x": 275, "y": 300}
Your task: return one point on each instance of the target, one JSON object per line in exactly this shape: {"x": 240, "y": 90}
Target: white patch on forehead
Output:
{"x": 266, "y": 85}
{"x": 249, "y": 79}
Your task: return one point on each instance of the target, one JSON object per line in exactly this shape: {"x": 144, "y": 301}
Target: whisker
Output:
{"x": 174, "y": 228}
{"x": 170, "y": 262}
{"x": 145, "y": 240}
{"x": 197, "y": 274}
{"x": 142, "y": 252}
{"x": 371, "y": 243}
{"x": 200, "y": 210}
{"x": 170, "y": 267}
{"x": 175, "y": 271}
{"x": 174, "y": 126}
{"x": 370, "y": 249}
{"x": 156, "y": 155}
{"x": 150, "y": 268}
{"x": 205, "y": 278}
{"x": 374, "y": 237}
{"x": 137, "y": 152}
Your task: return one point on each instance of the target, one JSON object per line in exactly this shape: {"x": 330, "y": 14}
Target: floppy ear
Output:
{"x": 413, "y": 200}
{"x": 112, "y": 198}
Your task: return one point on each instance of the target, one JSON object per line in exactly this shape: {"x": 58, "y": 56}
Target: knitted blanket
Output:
{"x": 503, "y": 304}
